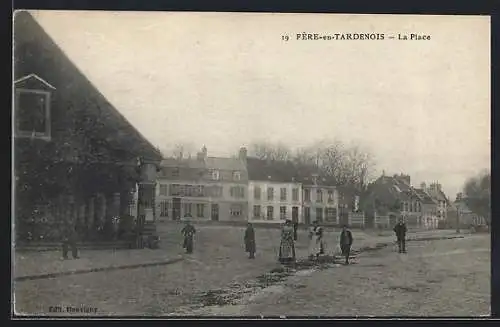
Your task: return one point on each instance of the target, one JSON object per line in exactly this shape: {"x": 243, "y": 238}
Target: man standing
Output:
{"x": 250, "y": 241}
{"x": 346, "y": 243}
{"x": 69, "y": 241}
{"x": 188, "y": 231}
{"x": 400, "y": 230}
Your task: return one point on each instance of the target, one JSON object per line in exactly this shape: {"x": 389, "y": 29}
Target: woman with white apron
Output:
{"x": 316, "y": 240}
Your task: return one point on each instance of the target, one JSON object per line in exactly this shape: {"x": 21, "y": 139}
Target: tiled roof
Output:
{"x": 389, "y": 189}
{"x": 424, "y": 196}
{"x": 188, "y": 163}
{"x": 438, "y": 195}
{"x": 208, "y": 163}
{"x": 275, "y": 171}
{"x": 225, "y": 163}
{"x": 49, "y": 61}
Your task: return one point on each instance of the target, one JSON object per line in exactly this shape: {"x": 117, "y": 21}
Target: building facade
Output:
{"x": 436, "y": 192}
{"x": 320, "y": 202}
{"x": 204, "y": 188}
{"x": 273, "y": 193}
{"x": 76, "y": 157}
{"x": 394, "y": 197}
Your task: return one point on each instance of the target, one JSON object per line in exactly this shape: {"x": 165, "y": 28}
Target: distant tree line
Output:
{"x": 345, "y": 165}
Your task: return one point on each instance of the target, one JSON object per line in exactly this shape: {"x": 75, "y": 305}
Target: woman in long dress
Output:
{"x": 316, "y": 240}
{"x": 287, "y": 246}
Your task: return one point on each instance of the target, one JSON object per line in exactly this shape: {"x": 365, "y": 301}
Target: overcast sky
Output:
{"x": 225, "y": 80}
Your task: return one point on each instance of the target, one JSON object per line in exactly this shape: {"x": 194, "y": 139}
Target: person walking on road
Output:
{"x": 188, "y": 231}
{"x": 250, "y": 241}
{"x": 400, "y": 230}
{"x": 346, "y": 243}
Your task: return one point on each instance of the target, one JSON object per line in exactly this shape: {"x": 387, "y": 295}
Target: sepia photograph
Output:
{"x": 227, "y": 164}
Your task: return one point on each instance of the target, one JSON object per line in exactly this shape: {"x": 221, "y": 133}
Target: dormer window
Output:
{"x": 236, "y": 176}
{"x": 32, "y": 107}
{"x": 215, "y": 175}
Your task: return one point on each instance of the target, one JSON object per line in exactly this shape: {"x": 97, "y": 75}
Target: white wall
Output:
{"x": 276, "y": 203}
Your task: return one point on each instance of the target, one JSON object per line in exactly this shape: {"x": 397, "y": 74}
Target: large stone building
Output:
{"x": 75, "y": 156}
{"x": 274, "y": 195}
{"x": 203, "y": 188}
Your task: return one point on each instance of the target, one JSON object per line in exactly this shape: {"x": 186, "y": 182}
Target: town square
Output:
{"x": 162, "y": 176}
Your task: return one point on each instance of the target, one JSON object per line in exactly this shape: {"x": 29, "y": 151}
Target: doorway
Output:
{"x": 176, "y": 209}
{"x": 295, "y": 214}
{"x": 307, "y": 215}
{"x": 215, "y": 212}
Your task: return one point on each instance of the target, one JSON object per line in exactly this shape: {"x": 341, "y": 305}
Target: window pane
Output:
{"x": 256, "y": 192}
{"x": 270, "y": 193}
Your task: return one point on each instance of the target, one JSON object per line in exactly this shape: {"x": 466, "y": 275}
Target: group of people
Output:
{"x": 316, "y": 242}
{"x": 287, "y": 253}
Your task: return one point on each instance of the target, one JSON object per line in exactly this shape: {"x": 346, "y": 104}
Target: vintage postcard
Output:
{"x": 185, "y": 164}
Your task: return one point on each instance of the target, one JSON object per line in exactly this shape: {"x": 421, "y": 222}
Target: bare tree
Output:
{"x": 477, "y": 192}
{"x": 344, "y": 165}
{"x": 266, "y": 150}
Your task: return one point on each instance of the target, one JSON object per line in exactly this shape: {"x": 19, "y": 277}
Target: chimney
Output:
{"x": 243, "y": 154}
{"x": 202, "y": 155}
{"x": 315, "y": 179}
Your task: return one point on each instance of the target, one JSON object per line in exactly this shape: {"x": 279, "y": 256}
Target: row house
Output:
{"x": 75, "y": 156}
{"x": 203, "y": 188}
{"x": 393, "y": 197}
{"x": 320, "y": 202}
{"x": 436, "y": 192}
{"x": 274, "y": 194}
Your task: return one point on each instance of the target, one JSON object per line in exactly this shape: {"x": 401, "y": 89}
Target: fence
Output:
{"x": 356, "y": 219}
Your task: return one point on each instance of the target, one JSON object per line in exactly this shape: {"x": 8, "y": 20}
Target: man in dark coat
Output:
{"x": 400, "y": 230}
{"x": 69, "y": 241}
{"x": 250, "y": 241}
{"x": 188, "y": 231}
{"x": 346, "y": 243}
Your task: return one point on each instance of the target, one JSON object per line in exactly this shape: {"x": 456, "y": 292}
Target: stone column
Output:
{"x": 146, "y": 201}
{"x": 116, "y": 204}
{"x": 125, "y": 198}
{"x": 82, "y": 224}
{"x": 101, "y": 211}
{"x": 90, "y": 214}
{"x": 337, "y": 218}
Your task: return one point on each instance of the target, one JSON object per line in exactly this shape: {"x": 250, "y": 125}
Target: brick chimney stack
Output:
{"x": 202, "y": 155}
{"x": 243, "y": 154}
